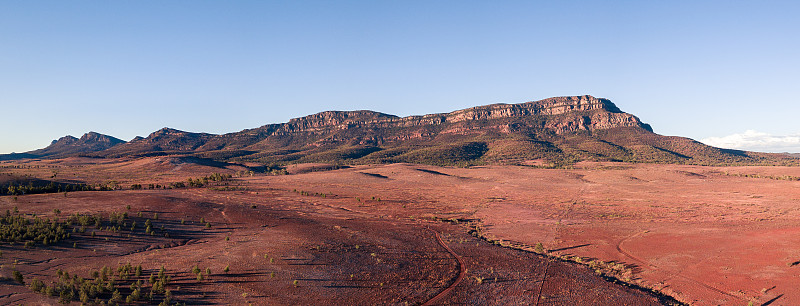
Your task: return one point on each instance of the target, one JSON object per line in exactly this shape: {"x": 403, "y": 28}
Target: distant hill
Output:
{"x": 160, "y": 142}
{"x": 556, "y": 131}
{"x": 70, "y": 146}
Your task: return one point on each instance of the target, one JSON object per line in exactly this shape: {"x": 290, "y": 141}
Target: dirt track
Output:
{"x": 462, "y": 271}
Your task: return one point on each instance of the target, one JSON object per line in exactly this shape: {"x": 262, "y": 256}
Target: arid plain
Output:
{"x": 419, "y": 234}
{"x": 565, "y": 201}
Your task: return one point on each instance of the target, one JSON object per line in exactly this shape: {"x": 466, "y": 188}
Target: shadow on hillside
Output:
{"x": 432, "y": 172}
{"x": 375, "y": 175}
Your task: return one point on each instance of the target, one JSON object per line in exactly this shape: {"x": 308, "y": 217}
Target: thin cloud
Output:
{"x": 752, "y": 140}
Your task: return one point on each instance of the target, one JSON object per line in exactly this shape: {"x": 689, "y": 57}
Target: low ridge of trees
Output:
{"x": 52, "y": 187}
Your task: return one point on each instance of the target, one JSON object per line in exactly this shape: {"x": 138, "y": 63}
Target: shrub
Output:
{"x": 66, "y": 296}
{"x": 18, "y": 277}
{"x": 116, "y": 297}
{"x": 36, "y": 285}
{"x": 538, "y": 248}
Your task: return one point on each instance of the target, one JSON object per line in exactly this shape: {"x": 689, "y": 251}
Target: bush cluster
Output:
{"x": 126, "y": 284}
{"x": 18, "y": 228}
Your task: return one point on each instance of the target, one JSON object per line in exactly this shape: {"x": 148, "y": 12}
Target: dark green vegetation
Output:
{"x": 32, "y": 186}
{"x": 126, "y": 284}
{"x": 557, "y": 132}
{"x": 207, "y": 181}
{"x": 32, "y": 230}
{"x": 16, "y": 228}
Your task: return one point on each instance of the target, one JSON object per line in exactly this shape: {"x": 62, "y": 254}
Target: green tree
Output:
{"x": 538, "y": 248}
{"x": 36, "y": 285}
{"x": 138, "y": 270}
{"x": 116, "y": 297}
{"x": 18, "y": 277}
{"x": 66, "y": 296}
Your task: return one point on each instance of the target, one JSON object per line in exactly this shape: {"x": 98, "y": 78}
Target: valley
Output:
{"x": 405, "y": 233}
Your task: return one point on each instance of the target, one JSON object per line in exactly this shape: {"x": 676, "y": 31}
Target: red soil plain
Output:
{"x": 610, "y": 233}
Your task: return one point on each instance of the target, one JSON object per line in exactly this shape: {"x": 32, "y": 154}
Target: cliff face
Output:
{"x": 587, "y": 113}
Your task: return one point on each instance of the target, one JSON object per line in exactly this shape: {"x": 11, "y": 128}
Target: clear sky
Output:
{"x": 700, "y": 69}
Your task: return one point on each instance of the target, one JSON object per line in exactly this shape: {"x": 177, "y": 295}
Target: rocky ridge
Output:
{"x": 559, "y": 129}
{"x": 605, "y": 115}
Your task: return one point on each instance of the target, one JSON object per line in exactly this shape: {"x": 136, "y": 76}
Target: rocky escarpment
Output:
{"x": 587, "y": 113}
{"x": 559, "y": 115}
{"x": 560, "y": 129}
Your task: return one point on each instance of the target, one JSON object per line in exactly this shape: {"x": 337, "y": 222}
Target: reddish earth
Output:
{"x": 705, "y": 235}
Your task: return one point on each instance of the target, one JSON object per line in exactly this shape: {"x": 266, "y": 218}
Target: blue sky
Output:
{"x": 701, "y": 69}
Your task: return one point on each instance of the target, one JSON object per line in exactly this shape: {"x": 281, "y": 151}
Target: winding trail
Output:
{"x": 462, "y": 267}
{"x": 541, "y": 285}
{"x": 631, "y": 256}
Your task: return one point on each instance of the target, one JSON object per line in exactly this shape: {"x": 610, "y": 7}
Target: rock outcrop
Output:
{"x": 590, "y": 114}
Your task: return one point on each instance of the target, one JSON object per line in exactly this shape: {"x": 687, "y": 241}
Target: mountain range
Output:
{"x": 554, "y": 131}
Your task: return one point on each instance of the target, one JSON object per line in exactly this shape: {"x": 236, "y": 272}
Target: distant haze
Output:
{"x": 756, "y": 141}
{"x": 698, "y": 69}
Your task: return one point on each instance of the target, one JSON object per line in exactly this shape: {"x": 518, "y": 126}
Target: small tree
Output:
{"x": 116, "y": 297}
{"x": 538, "y": 248}
{"x": 227, "y": 268}
{"x": 36, "y": 285}
{"x": 138, "y": 271}
{"x": 66, "y": 296}
{"x": 18, "y": 277}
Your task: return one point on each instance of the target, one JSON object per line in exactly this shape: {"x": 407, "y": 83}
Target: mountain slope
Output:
{"x": 161, "y": 142}
{"x": 70, "y": 146}
{"x": 559, "y": 130}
